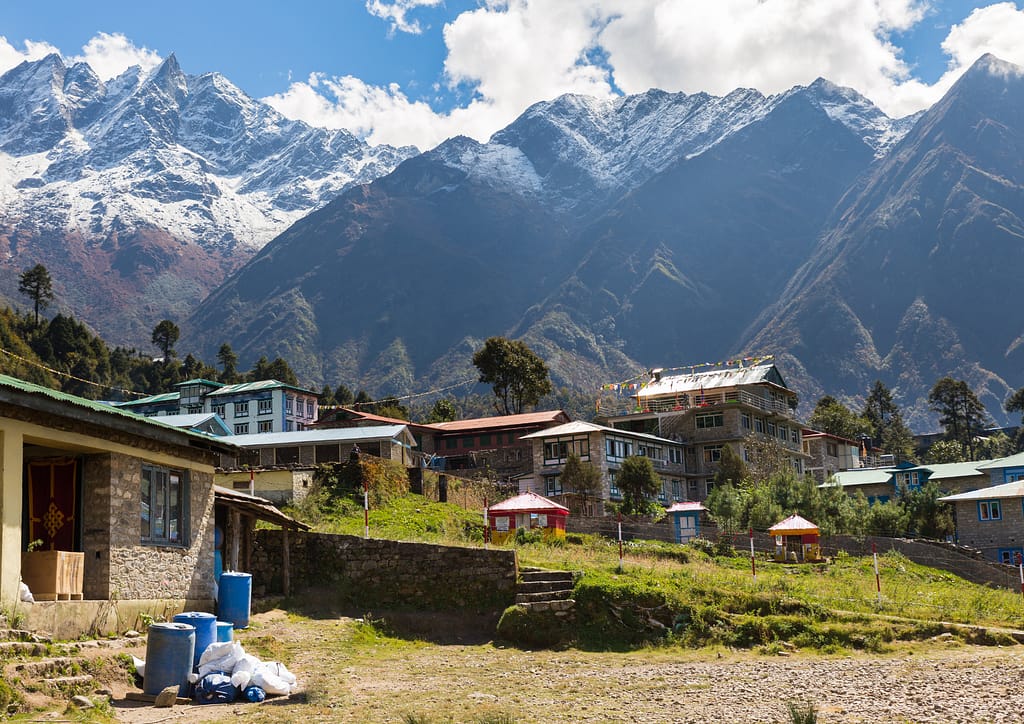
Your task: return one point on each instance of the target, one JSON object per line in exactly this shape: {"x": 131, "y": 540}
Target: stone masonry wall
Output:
{"x": 386, "y": 573}
{"x": 145, "y": 571}
{"x": 96, "y": 491}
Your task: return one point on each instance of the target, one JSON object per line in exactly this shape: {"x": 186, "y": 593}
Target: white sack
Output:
{"x": 220, "y": 656}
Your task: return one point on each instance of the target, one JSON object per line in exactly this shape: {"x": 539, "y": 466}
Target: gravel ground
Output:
{"x": 938, "y": 681}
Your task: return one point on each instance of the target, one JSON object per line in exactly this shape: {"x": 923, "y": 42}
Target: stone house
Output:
{"x": 991, "y": 520}
{"x": 130, "y": 497}
{"x": 605, "y": 448}
{"x": 707, "y": 411}
{"x": 828, "y": 454}
{"x": 246, "y": 408}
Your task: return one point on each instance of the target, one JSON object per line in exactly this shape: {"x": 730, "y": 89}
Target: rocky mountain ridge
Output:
{"x": 149, "y": 188}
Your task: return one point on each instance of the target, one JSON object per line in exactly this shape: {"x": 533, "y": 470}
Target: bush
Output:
{"x": 533, "y": 629}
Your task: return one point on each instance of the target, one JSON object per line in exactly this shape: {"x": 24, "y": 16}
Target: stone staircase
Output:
{"x": 541, "y": 590}
{"x": 39, "y": 671}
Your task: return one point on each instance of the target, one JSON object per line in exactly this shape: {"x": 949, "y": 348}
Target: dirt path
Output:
{"x": 385, "y": 680}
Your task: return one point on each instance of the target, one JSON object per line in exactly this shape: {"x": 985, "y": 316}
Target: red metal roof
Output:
{"x": 528, "y": 503}
{"x": 503, "y": 421}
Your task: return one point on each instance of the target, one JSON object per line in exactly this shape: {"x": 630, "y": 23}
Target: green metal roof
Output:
{"x": 200, "y": 381}
{"x": 151, "y": 400}
{"x": 258, "y": 386}
{"x": 13, "y": 383}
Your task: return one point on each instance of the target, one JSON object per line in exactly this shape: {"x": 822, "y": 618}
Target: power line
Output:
{"x": 71, "y": 376}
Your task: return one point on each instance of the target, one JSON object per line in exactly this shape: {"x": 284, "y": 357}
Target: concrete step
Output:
{"x": 541, "y": 586}
{"x": 14, "y": 649}
{"x": 535, "y": 575}
{"x": 560, "y": 608}
{"x": 15, "y": 634}
{"x": 45, "y": 667}
{"x": 544, "y": 596}
{"x": 67, "y": 684}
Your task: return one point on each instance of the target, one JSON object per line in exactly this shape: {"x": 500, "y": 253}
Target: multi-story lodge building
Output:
{"x": 605, "y": 448}
{"x": 246, "y": 408}
{"x": 707, "y": 411}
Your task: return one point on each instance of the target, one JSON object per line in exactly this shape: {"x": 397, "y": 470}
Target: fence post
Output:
{"x": 753, "y": 565}
{"x": 878, "y": 580}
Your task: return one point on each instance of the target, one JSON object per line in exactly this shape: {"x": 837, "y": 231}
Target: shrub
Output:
{"x": 533, "y": 629}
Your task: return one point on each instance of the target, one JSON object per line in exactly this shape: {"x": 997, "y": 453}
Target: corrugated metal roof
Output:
{"x": 189, "y": 420}
{"x": 104, "y": 408}
{"x": 869, "y": 476}
{"x": 578, "y": 427}
{"x": 324, "y": 435}
{"x": 501, "y": 421}
{"x": 943, "y": 471}
{"x": 1012, "y": 461}
{"x": 793, "y": 525}
{"x": 688, "y": 507}
{"x": 527, "y": 502}
{"x": 152, "y": 399}
{"x": 257, "y": 506}
{"x": 1006, "y": 490}
{"x": 200, "y": 381}
{"x": 733, "y": 377}
{"x": 258, "y": 386}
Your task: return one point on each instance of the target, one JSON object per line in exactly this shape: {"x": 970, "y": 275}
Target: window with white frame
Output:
{"x": 675, "y": 455}
{"x": 265, "y": 407}
{"x": 613, "y": 485}
{"x": 709, "y": 420}
{"x": 989, "y": 510}
{"x": 758, "y": 424}
{"x": 241, "y": 409}
{"x": 241, "y": 428}
{"x": 794, "y": 436}
{"x": 663, "y": 492}
{"x": 691, "y": 489}
{"x": 651, "y": 451}
{"x": 165, "y": 494}
{"x": 557, "y": 450}
{"x": 552, "y": 485}
{"x": 617, "y": 448}
{"x": 798, "y": 466}
{"x": 288, "y": 404}
{"x": 770, "y": 428}
{"x": 783, "y": 433}
{"x": 309, "y": 409}
{"x": 266, "y": 426}
{"x": 218, "y": 408}
{"x": 677, "y": 490}
{"x": 745, "y": 420}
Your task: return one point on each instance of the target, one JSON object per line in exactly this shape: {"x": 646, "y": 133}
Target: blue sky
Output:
{"x": 418, "y": 71}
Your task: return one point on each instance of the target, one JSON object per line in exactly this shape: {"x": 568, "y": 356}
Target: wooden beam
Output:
{"x": 286, "y": 583}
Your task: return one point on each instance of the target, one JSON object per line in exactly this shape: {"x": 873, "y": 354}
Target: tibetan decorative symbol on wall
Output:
{"x": 52, "y": 500}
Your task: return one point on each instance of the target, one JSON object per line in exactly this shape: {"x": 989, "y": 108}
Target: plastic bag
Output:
{"x": 215, "y": 688}
{"x": 220, "y": 656}
{"x": 274, "y": 678}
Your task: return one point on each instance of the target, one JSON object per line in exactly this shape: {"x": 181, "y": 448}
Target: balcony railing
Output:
{"x": 690, "y": 401}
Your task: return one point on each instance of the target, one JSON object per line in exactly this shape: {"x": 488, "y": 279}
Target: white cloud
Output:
{"x": 110, "y": 54}
{"x": 996, "y": 29}
{"x": 10, "y": 56}
{"x": 397, "y": 12}
{"x": 506, "y": 54}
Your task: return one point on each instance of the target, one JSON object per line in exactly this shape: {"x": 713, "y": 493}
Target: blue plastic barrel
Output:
{"x": 235, "y": 598}
{"x": 225, "y": 631}
{"x": 169, "y": 651}
{"x": 206, "y": 630}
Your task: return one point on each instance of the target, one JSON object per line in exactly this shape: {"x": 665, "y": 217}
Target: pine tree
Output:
{"x": 36, "y": 284}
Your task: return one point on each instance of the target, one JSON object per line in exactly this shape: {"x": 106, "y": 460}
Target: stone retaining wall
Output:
{"x": 386, "y": 573}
